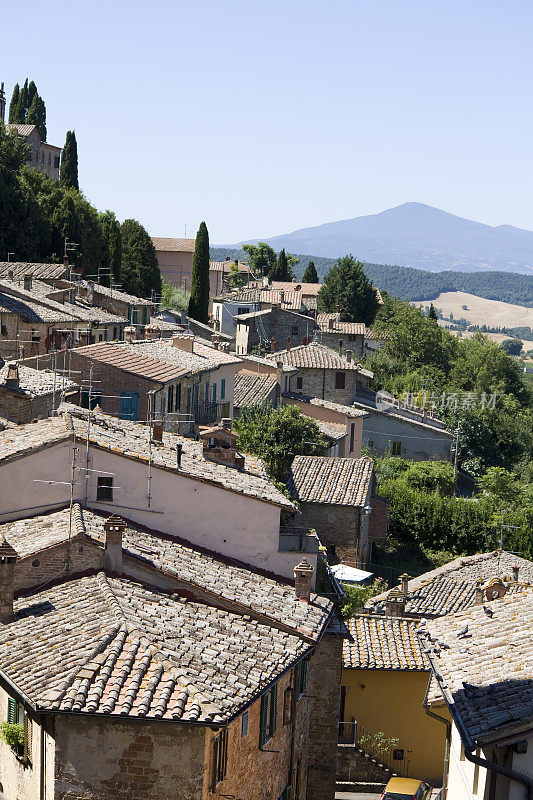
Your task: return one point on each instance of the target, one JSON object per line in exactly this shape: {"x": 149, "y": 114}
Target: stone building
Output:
{"x": 27, "y": 394}
{"x": 323, "y": 373}
{"x": 276, "y": 325}
{"x": 43, "y": 157}
{"x": 149, "y": 667}
{"x": 341, "y": 335}
{"x": 346, "y": 419}
{"x": 136, "y": 310}
{"x": 245, "y": 301}
{"x": 337, "y": 498}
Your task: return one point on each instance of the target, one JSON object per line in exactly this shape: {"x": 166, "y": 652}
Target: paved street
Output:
{"x": 356, "y": 796}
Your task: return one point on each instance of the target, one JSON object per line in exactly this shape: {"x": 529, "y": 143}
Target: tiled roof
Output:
{"x": 349, "y": 411}
{"x": 483, "y": 661}
{"x": 21, "y": 128}
{"x": 253, "y": 389}
{"x": 251, "y": 360}
{"x": 36, "y": 270}
{"x": 124, "y": 297}
{"x": 317, "y": 356}
{"x": 225, "y": 266}
{"x": 451, "y": 588}
{"x": 31, "y": 310}
{"x": 336, "y": 481}
{"x": 291, "y": 300}
{"x": 246, "y": 590}
{"x": 203, "y": 356}
{"x": 336, "y": 326}
{"x": 132, "y": 440}
{"x": 112, "y": 646}
{"x": 76, "y": 311}
{"x": 171, "y": 245}
{"x": 308, "y": 289}
{"x": 35, "y": 382}
{"x": 383, "y": 643}
{"x": 330, "y": 431}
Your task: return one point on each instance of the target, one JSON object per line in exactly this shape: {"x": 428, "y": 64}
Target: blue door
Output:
{"x": 129, "y": 406}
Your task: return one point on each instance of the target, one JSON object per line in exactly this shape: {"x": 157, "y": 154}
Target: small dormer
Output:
{"x": 219, "y": 444}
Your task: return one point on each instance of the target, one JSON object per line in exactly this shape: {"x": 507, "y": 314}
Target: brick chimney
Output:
{"x": 84, "y": 337}
{"x": 8, "y": 558}
{"x": 288, "y": 342}
{"x": 219, "y": 445}
{"x": 405, "y": 578}
{"x": 152, "y": 331}
{"x": 129, "y": 334}
{"x": 303, "y": 573}
{"x": 478, "y": 599}
{"x": 157, "y": 431}
{"x": 114, "y": 528}
{"x": 395, "y": 603}
{"x": 27, "y": 282}
{"x": 183, "y": 341}
{"x": 12, "y": 376}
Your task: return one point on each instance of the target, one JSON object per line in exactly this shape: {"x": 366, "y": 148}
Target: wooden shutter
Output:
{"x": 11, "y": 711}
{"x": 304, "y": 675}
{"x": 263, "y": 720}
{"x": 273, "y": 709}
{"x": 28, "y": 737}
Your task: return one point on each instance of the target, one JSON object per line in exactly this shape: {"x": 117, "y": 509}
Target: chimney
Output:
{"x": 348, "y": 355}
{"x": 114, "y": 527}
{"x": 479, "y": 593}
{"x": 395, "y": 603}
{"x": 179, "y": 453}
{"x": 27, "y": 282}
{"x": 227, "y": 423}
{"x": 288, "y": 342}
{"x": 219, "y": 445}
{"x": 129, "y": 334}
{"x": 303, "y": 572}
{"x": 84, "y": 337}
{"x": 8, "y": 558}
{"x": 10, "y": 275}
{"x": 90, "y": 293}
{"x": 151, "y": 331}
{"x": 215, "y": 343}
{"x": 515, "y": 569}
{"x": 273, "y": 345}
{"x": 12, "y": 376}
{"x": 65, "y": 260}
{"x": 405, "y": 578}
{"x": 183, "y": 341}
{"x": 157, "y": 431}
{"x": 331, "y": 323}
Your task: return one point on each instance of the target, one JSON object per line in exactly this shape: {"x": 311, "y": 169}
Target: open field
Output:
{"x": 496, "y": 337}
{"x": 480, "y": 311}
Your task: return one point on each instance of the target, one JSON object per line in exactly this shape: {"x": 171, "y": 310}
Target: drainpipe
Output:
{"x": 447, "y": 746}
{"x": 323, "y": 382}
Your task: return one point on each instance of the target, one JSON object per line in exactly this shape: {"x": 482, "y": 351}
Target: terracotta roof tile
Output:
{"x": 35, "y": 269}
{"x": 383, "y": 643}
{"x": 330, "y": 323}
{"x": 253, "y": 389}
{"x": 171, "y": 245}
{"x": 317, "y": 356}
{"x": 336, "y": 481}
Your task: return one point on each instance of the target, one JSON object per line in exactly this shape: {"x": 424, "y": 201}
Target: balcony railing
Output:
{"x": 206, "y": 413}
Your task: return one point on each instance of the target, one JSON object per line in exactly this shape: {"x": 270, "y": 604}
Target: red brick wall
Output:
{"x": 379, "y": 518}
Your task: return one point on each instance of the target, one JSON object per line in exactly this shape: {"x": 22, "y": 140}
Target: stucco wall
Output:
{"x": 176, "y": 267}
{"x": 107, "y": 759}
{"x": 391, "y": 701}
{"x": 336, "y": 418}
{"x": 418, "y": 443}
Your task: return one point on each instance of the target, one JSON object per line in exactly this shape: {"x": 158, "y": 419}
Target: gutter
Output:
{"x": 470, "y": 745}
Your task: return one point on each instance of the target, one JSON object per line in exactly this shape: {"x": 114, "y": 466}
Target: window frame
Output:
{"x": 104, "y": 488}
{"x": 268, "y": 715}
{"x": 340, "y": 380}
{"x": 396, "y": 448}
{"x": 300, "y": 678}
{"x": 222, "y": 388}
{"x": 245, "y": 724}
{"x": 17, "y": 715}
{"x": 220, "y": 757}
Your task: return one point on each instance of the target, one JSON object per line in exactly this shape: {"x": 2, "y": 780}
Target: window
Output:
{"x": 4, "y": 330}
{"x": 104, "y": 490}
{"x": 244, "y": 723}
{"x": 340, "y": 380}
{"x": 220, "y": 756}
{"x": 16, "y": 715}
{"x": 288, "y": 703}
{"x": 145, "y": 315}
{"x": 133, "y": 316}
{"x": 299, "y": 382}
{"x": 177, "y": 402}
{"x": 294, "y": 330}
{"x": 352, "y": 435}
{"x": 188, "y": 399}
{"x": 206, "y": 397}
{"x": 243, "y": 310}
{"x": 300, "y": 677}
{"x": 214, "y": 393}
{"x": 267, "y": 721}
{"x": 170, "y": 399}
{"x": 223, "y": 389}
{"x": 396, "y": 448}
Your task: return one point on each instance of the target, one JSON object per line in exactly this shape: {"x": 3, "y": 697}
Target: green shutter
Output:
{"x": 263, "y": 720}
{"x": 273, "y": 709}
{"x": 11, "y": 711}
{"x": 145, "y": 315}
{"x": 223, "y": 389}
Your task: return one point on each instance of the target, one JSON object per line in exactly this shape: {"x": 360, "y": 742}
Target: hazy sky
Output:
{"x": 264, "y": 117}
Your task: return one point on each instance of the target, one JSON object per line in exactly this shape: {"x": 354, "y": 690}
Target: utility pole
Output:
{"x": 457, "y": 431}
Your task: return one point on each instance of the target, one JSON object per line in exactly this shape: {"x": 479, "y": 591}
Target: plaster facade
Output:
{"x": 350, "y": 447}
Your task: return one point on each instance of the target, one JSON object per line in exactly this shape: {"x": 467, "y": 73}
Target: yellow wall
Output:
{"x": 391, "y": 701}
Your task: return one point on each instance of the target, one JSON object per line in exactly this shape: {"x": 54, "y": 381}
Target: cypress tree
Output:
{"x": 112, "y": 246}
{"x": 32, "y": 91}
{"x": 13, "y": 105}
{"x": 282, "y": 271}
{"x": 68, "y": 172}
{"x": 37, "y": 116}
{"x": 346, "y": 287}
{"x": 22, "y": 105}
{"x": 432, "y": 314}
{"x": 199, "y": 300}
{"x": 310, "y": 274}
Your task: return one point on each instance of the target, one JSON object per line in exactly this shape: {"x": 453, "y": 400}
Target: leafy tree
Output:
{"x": 513, "y": 347}
{"x": 13, "y": 106}
{"x": 139, "y": 271}
{"x": 481, "y": 364}
{"x": 37, "y": 115}
{"x": 277, "y": 435}
{"x": 282, "y": 271}
{"x": 310, "y": 274}
{"x": 174, "y": 297}
{"x": 262, "y": 258}
{"x": 199, "y": 301}
{"x": 235, "y": 277}
{"x": 502, "y": 485}
{"x": 347, "y": 288}
{"x": 111, "y": 246}
{"x": 356, "y": 596}
{"x": 68, "y": 173}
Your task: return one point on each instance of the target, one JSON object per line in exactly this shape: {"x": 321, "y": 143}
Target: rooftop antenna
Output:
{"x": 185, "y": 230}
{"x": 9, "y": 257}
{"x": 512, "y": 527}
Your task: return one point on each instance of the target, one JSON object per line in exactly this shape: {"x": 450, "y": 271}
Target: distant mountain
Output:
{"x": 416, "y": 235}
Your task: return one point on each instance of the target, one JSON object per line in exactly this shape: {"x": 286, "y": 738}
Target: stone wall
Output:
{"x": 51, "y": 563}
{"x": 279, "y": 324}
{"x": 337, "y": 527}
{"x": 20, "y": 409}
{"x": 321, "y": 383}
{"x": 109, "y": 759}
{"x": 32, "y": 337}
{"x": 343, "y": 341}
{"x": 323, "y": 688}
